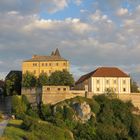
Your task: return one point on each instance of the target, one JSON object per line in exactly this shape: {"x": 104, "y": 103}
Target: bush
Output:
{"x": 18, "y": 106}
{"x": 33, "y": 113}
{"x": 68, "y": 113}
{"x": 46, "y": 111}
{"x": 84, "y": 132}
{"x": 39, "y": 130}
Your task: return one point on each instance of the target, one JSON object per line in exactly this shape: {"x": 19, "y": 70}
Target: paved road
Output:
{"x": 3, "y": 124}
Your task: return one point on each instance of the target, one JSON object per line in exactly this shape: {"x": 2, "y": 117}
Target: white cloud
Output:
{"x": 69, "y": 24}
{"x": 122, "y": 11}
{"x": 78, "y": 2}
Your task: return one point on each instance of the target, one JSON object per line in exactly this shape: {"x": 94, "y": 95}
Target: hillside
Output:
{"x": 100, "y": 118}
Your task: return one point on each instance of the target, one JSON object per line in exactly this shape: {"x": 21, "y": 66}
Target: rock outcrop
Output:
{"x": 83, "y": 111}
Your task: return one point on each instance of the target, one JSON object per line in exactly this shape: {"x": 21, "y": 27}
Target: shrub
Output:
{"x": 39, "y": 130}
{"x": 18, "y": 106}
{"x": 46, "y": 111}
{"x": 68, "y": 113}
{"x": 84, "y": 132}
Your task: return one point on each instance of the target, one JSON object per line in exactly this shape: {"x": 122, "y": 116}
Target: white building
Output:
{"x": 105, "y": 78}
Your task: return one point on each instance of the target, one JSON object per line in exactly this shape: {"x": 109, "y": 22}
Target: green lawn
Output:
{"x": 13, "y": 130}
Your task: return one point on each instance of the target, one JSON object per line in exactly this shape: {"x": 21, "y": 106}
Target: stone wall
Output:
{"x": 52, "y": 98}
{"x": 134, "y": 97}
{"x": 34, "y": 95}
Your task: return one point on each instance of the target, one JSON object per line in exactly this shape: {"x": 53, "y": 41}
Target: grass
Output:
{"x": 13, "y": 131}
{"x": 39, "y": 131}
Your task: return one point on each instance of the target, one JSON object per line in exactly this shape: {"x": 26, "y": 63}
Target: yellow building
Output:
{"x": 45, "y": 64}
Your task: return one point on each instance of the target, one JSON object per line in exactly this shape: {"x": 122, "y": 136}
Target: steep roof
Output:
{"x": 57, "y": 53}
{"x": 103, "y": 72}
{"x": 53, "y": 57}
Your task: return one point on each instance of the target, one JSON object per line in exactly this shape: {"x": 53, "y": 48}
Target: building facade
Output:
{"x": 104, "y": 79}
{"x": 45, "y": 64}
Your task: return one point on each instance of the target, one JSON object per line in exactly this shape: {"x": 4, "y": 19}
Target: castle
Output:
{"x": 45, "y": 64}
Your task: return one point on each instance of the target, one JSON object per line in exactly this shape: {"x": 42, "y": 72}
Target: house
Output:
{"x": 45, "y": 64}
{"x": 103, "y": 79}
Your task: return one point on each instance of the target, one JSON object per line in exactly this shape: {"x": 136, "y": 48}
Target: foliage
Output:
{"x": 134, "y": 86}
{"x": 84, "y": 132}
{"x": 42, "y": 80}
{"x": 18, "y": 106}
{"x": 110, "y": 93}
{"x": 13, "y": 83}
{"x": 46, "y": 111}
{"x": 61, "y": 78}
{"x": 111, "y": 119}
{"x": 40, "y": 130}
{"x": 28, "y": 80}
{"x": 13, "y": 130}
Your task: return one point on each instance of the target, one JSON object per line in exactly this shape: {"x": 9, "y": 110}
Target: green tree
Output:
{"x": 134, "y": 86}
{"x": 28, "y": 80}
{"x": 42, "y": 80}
{"x": 13, "y": 83}
{"x": 18, "y": 106}
{"x": 63, "y": 78}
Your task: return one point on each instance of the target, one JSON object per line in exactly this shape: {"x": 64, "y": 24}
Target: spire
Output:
{"x": 57, "y": 53}
{"x": 52, "y": 54}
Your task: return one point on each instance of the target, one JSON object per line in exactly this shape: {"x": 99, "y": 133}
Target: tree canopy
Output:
{"x": 63, "y": 78}
{"x": 28, "y": 80}
{"x": 13, "y": 83}
{"x": 42, "y": 80}
{"x": 134, "y": 86}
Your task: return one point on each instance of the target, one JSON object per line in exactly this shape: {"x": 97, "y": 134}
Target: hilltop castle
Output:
{"x": 45, "y": 64}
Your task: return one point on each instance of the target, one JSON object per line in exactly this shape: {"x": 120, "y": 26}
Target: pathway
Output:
{"x": 3, "y": 125}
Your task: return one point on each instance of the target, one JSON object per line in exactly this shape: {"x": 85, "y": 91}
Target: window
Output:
{"x": 64, "y": 89}
{"x": 58, "y": 89}
{"x": 50, "y": 64}
{"x": 115, "y": 82}
{"x": 46, "y": 64}
{"x": 124, "y": 82}
{"x": 34, "y": 64}
{"x": 56, "y": 64}
{"x": 48, "y": 89}
{"x": 64, "y": 64}
{"x": 42, "y": 64}
{"x": 98, "y": 89}
{"x": 97, "y": 81}
{"x": 107, "y": 81}
{"x": 124, "y": 89}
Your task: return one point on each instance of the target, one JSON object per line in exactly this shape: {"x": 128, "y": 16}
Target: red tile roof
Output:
{"x": 103, "y": 72}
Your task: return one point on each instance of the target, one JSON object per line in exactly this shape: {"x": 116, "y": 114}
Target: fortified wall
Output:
{"x": 55, "y": 94}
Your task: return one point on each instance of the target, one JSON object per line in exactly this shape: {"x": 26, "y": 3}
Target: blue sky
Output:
{"x": 89, "y": 33}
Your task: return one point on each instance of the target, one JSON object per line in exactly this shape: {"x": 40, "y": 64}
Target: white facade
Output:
{"x": 99, "y": 85}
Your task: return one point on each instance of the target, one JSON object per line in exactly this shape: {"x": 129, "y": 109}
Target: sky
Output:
{"x": 89, "y": 33}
